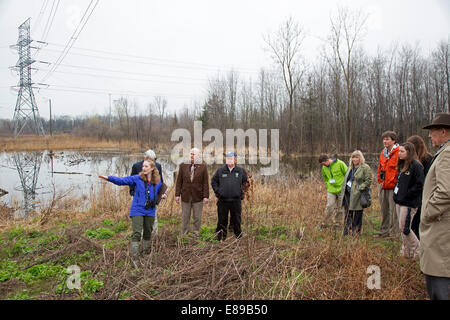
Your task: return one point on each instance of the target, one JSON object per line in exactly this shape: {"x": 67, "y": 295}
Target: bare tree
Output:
{"x": 160, "y": 105}
{"x": 347, "y": 29}
{"x": 285, "y": 46}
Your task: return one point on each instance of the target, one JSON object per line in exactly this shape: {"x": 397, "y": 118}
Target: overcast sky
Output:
{"x": 171, "y": 48}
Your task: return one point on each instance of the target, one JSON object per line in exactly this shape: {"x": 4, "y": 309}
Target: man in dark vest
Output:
{"x": 227, "y": 184}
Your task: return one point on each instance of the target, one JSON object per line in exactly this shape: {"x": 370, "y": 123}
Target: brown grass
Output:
{"x": 69, "y": 142}
{"x": 282, "y": 255}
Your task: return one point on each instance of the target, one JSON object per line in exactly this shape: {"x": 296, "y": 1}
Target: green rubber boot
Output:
{"x": 134, "y": 248}
{"x": 146, "y": 246}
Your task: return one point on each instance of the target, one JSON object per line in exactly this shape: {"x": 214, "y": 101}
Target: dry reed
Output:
{"x": 70, "y": 142}
{"x": 282, "y": 255}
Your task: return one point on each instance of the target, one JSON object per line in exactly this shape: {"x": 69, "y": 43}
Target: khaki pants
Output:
{"x": 410, "y": 243}
{"x": 389, "y": 219}
{"x": 186, "y": 208}
{"x": 333, "y": 210}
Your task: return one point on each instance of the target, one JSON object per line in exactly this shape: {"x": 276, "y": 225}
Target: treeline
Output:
{"x": 400, "y": 90}
{"x": 342, "y": 101}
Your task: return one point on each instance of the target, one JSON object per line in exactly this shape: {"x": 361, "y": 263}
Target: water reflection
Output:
{"x": 28, "y": 166}
{"x": 29, "y": 178}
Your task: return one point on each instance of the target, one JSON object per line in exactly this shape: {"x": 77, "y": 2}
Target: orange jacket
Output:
{"x": 388, "y": 164}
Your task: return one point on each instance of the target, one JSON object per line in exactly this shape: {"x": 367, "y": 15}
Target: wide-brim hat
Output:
{"x": 440, "y": 120}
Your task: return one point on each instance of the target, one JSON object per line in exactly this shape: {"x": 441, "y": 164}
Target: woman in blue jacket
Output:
{"x": 143, "y": 208}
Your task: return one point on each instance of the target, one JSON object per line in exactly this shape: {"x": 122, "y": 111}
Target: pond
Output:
{"x": 33, "y": 178}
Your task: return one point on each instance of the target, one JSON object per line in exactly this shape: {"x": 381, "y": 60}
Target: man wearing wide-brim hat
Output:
{"x": 435, "y": 220}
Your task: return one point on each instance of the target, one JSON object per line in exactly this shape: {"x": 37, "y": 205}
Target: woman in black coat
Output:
{"x": 407, "y": 195}
{"x": 425, "y": 158}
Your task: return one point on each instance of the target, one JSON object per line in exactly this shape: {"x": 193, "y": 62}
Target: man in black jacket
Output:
{"x": 227, "y": 184}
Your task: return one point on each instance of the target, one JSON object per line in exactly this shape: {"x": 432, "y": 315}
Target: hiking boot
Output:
{"x": 134, "y": 248}
{"x": 146, "y": 246}
{"x": 134, "y": 254}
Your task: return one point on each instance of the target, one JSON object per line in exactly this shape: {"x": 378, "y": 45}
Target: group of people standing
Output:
{"x": 192, "y": 188}
{"x": 414, "y": 195}
{"x": 411, "y": 205}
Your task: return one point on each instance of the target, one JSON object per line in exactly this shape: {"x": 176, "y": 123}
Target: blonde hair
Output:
{"x": 358, "y": 154}
{"x": 154, "y": 179}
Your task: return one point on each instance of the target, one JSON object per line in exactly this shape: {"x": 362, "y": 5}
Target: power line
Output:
{"x": 151, "y": 58}
{"x": 151, "y": 63}
{"x": 41, "y": 13}
{"x": 116, "y": 92}
{"x": 122, "y": 78}
{"x": 73, "y": 38}
{"x": 133, "y": 73}
{"x": 50, "y": 21}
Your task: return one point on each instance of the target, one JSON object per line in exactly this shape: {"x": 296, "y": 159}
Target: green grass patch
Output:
{"x": 164, "y": 221}
{"x": 108, "y": 223}
{"x": 100, "y": 233}
{"x": 20, "y": 246}
{"x": 42, "y": 272}
{"x": 208, "y": 234}
{"x": 35, "y": 234}
{"x": 16, "y": 232}
{"x": 81, "y": 258}
{"x": 269, "y": 233}
{"x": 89, "y": 286}
{"x": 8, "y": 269}
{"x": 120, "y": 226}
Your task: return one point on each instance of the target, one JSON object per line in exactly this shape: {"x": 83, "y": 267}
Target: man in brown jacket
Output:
{"x": 434, "y": 250}
{"x": 193, "y": 186}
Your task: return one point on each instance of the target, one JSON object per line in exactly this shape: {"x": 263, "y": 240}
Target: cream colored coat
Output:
{"x": 435, "y": 218}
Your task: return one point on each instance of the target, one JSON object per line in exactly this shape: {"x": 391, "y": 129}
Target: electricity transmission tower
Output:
{"x": 26, "y": 111}
{"x": 28, "y": 166}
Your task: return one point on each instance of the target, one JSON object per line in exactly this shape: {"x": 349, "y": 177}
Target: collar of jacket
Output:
{"x": 387, "y": 154}
{"x": 225, "y": 167}
{"x": 442, "y": 145}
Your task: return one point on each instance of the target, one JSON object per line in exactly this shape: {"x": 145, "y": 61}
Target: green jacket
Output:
{"x": 335, "y": 171}
{"x": 362, "y": 181}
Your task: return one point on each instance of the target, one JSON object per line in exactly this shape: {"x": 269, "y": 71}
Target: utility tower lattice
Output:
{"x": 28, "y": 166}
{"x": 26, "y": 111}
